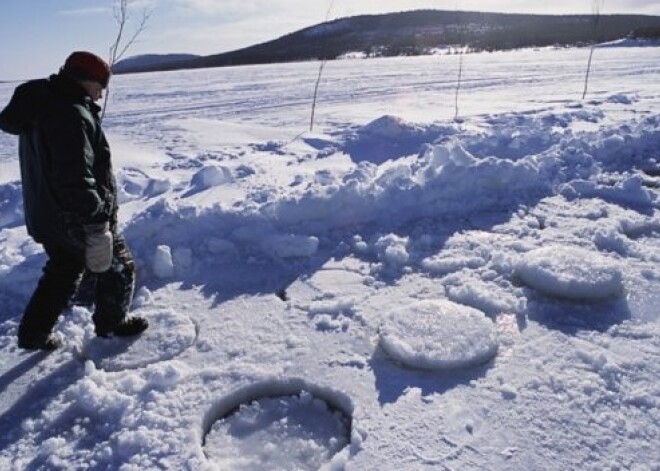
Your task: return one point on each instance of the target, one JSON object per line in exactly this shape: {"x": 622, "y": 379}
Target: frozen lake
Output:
{"x": 394, "y": 290}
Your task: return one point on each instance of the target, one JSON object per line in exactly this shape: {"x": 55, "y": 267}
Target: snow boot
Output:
{"x": 128, "y": 327}
{"x": 46, "y": 342}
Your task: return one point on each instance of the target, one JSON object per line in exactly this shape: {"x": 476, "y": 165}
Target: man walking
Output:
{"x": 70, "y": 200}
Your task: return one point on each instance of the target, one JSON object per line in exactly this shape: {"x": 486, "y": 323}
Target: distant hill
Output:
{"x": 421, "y": 32}
{"x": 150, "y": 61}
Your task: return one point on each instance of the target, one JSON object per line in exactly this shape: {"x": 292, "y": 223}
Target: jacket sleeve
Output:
{"x": 71, "y": 165}
{"x": 14, "y": 117}
{"x": 5, "y": 124}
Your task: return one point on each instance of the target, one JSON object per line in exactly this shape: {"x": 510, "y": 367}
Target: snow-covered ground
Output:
{"x": 394, "y": 290}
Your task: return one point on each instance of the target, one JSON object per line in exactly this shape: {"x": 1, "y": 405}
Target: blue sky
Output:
{"x": 37, "y": 35}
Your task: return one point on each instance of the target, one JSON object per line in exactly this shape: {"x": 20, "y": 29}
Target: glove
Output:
{"x": 98, "y": 247}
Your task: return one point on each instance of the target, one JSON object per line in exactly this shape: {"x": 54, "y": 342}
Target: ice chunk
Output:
{"x": 290, "y": 245}
{"x": 162, "y": 264}
{"x": 210, "y": 176}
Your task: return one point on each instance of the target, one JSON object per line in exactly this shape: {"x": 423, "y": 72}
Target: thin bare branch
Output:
{"x": 118, "y": 48}
{"x": 458, "y": 84}
{"x": 318, "y": 79}
{"x": 316, "y": 91}
{"x": 140, "y": 29}
{"x": 586, "y": 77}
{"x": 121, "y": 16}
{"x": 596, "y": 8}
{"x": 461, "y": 52}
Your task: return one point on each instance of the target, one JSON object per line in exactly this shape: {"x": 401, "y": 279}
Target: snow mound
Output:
{"x": 570, "y": 273}
{"x": 169, "y": 334}
{"x": 209, "y": 177}
{"x": 622, "y": 99}
{"x": 390, "y": 137}
{"x": 387, "y": 126}
{"x": 629, "y": 192}
{"x": 392, "y": 250}
{"x": 298, "y": 432}
{"x": 135, "y": 184}
{"x": 438, "y": 335}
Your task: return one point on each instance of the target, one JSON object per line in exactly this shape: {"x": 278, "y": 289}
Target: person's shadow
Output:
{"x": 25, "y": 394}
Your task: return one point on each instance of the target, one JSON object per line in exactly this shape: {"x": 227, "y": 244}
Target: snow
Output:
{"x": 631, "y": 42}
{"x": 397, "y": 289}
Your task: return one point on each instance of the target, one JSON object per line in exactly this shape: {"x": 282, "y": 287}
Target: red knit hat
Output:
{"x": 87, "y": 66}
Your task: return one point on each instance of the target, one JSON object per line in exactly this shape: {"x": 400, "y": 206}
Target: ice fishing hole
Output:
{"x": 278, "y": 426}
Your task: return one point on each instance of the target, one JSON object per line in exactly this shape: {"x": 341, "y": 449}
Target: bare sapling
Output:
{"x": 122, "y": 43}
{"x": 316, "y": 92}
{"x": 320, "y": 75}
{"x": 459, "y": 78}
{"x": 596, "y": 8}
{"x": 458, "y": 82}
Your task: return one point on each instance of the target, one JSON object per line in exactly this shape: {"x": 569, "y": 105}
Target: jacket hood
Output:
{"x": 25, "y": 106}
{"x": 33, "y": 98}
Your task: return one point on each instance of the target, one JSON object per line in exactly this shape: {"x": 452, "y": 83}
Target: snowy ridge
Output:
{"x": 464, "y": 174}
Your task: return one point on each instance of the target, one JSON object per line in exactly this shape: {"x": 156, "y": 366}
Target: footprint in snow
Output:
{"x": 169, "y": 334}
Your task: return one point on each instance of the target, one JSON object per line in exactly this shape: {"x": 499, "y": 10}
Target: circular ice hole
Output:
{"x": 289, "y": 432}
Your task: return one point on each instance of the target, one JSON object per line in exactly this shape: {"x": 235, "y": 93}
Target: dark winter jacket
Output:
{"x": 64, "y": 156}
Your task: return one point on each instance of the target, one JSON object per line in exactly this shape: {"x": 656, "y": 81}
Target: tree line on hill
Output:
{"x": 647, "y": 33}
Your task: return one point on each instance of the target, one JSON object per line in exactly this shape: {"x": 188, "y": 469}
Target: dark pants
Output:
{"x": 62, "y": 274}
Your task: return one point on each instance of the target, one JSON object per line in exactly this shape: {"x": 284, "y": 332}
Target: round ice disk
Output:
{"x": 571, "y": 273}
{"x": 438, "y": 335}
